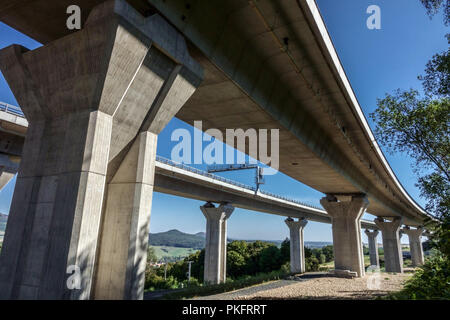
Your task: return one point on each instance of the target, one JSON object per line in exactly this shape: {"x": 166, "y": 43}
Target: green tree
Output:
{"x": 151, "y": 255}
{"x": 285, "y": 251}
{"x": 270, "y": 259}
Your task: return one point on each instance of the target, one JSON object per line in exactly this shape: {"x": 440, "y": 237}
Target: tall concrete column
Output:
{"x": 346, "y": 213}
{"x": 373, "y": 247}
{"x": 393, "y": 258}
{"x": 297, "y": 248}
{"x": 95, "y": 101}
{"x": 415, "y": 245}
{"x": 216, "y": 241}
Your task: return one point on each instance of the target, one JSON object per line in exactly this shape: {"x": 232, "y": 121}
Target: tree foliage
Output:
{"x": 243, "y": 259}
{"x": 433, "y": 6}
{"x": 407, "y": 123}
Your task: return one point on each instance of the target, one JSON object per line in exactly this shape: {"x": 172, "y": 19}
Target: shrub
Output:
{"x": 431, "y": 281}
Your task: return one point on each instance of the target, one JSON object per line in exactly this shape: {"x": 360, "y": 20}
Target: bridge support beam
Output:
{"x": 95, "y": 101}
{"x": 346, "y": 213}
{"x": 297, "y": 248}
{"x": 373, "y": 247}
{"x": 415, "y": 245}
{"x": 393, "y": 258}
{"x": 216, "y": 242}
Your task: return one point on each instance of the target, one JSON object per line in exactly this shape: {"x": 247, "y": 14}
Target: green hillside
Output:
{"x": 175, "y": 238}
{"x": 170, "y": 254}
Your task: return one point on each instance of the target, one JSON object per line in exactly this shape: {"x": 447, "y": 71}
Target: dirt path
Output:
{"x": 320, "y": 287}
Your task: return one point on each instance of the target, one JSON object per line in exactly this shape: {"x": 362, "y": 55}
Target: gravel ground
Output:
{"x": 320, "y": 287}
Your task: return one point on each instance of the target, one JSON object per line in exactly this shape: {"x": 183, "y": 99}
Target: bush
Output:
{"x": 431, "y": 281}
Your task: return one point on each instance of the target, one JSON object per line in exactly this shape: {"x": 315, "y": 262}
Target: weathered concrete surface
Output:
{"x": 346, "y": 213}
{"x": 216, "y": 242}
{"x": 415, "y": 245}
{"x": 373, "y": 247}
{"x": 255, "y": 80}
{"x": 393, "y": 258}
{"x": 84, "y": 98}
{"x": 297, "y": 246}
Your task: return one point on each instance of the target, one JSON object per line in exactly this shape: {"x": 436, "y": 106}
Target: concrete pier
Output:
{"x": 393, "y": 258}
{"x": 415, "y": 245}
{"x": 373, "y": 247}
{"x": 297, "y": 248}
{"x": 95, "y": 101}
{"x": 346, "y": 213}
{"x": 216, "y": 241}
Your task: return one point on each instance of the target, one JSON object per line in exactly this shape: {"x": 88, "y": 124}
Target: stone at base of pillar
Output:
{"x": 343, "y": 273}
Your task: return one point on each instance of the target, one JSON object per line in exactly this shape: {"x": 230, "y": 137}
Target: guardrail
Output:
{"x": 232, "y": 182}
{"x": 11, "y": 109}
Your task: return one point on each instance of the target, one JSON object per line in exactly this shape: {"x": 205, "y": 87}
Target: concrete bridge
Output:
{"x": 97, "y": 98}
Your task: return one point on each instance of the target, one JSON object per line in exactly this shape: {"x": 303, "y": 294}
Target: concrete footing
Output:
{"x": 346, "y": 213}
{"x": 415, "y": 245}
{"x": 95, "y": 101}
{"x": 216, "y": 242}
{"x": 393, "y": 258}
{"x": 373, "y": 247}
{"x": 297, "y": 248}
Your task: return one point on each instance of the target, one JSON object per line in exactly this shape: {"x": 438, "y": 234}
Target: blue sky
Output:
{"x": 376, "y": 62}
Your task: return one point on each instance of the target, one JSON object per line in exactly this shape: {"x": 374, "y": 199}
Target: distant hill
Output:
{"x": 175, "y": 238}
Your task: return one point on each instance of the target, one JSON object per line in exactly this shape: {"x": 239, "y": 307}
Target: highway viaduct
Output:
{"x": 96, "y": 99}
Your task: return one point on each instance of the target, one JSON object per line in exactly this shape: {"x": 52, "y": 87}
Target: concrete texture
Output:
{"x": 346, "y": 213}
{"x": 297, "y": 246}
{"x": 84, "y": 98}
{"x": 216, "y": 241}
{"x": 373, "y": 247}
{"x": 415, "y": 245}
{"x": 393, "y": 258}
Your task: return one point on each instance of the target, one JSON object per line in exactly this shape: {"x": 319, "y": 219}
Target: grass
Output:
{"x": 229, "y": 285}
{"x": 171, "y": 253}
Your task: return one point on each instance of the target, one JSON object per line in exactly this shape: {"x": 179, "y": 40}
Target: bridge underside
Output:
{"x": 265, "y": 67}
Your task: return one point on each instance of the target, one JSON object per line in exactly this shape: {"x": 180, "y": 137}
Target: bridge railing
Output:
{"x": 11, "y": 109}
{"x": 232, "y": 182}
